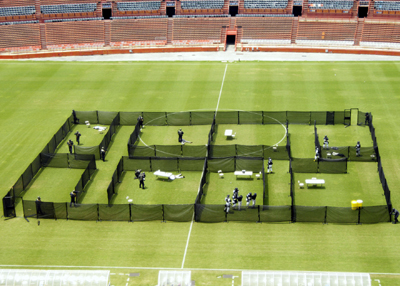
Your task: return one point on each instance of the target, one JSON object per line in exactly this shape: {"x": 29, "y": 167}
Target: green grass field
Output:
{"x": 37, "y": 97}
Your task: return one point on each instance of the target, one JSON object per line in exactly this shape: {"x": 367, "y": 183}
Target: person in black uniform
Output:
{"x": 140, "y": 120}
{"x": 358, "y": 148}
{"x": 73, "y": 197}
{"x": 235, "y": 192}
{"x": 78, "y": 136}
{"x": 103, "y": 154}
{"x": 234, "y": 201}
{"x": 70, "y": 144}
{"x": 366, "y": 118}
{"x": 326, "y": 142}
{"x": 227, "y": 204}
{"x": 248, "y": 199}
{"x": 180, "y": 134}
{"x": 316, "y": 154}
{"x": 240, "y": 198}
{"x": 142, "y": 178}
{"x": 396, "y": 215}
{"x": 269, "y": 165}
{"x": 137, "y": 173}
{"x": 253, "y": 198}
{"x": 38, "y": 203}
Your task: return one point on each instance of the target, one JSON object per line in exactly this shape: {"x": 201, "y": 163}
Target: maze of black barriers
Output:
{"x": 209, "y": 158}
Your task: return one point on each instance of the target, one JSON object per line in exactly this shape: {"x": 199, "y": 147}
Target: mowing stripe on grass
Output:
{"x": 220, "y": 92}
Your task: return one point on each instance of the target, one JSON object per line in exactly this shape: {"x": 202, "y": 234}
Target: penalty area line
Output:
{"x": 220, "y": 91}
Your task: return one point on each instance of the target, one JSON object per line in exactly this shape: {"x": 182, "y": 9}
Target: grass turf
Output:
{"x": 36, "y": 99}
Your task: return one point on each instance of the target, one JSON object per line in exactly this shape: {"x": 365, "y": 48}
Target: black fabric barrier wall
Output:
{"x": 206, "y": 213}
{"x": 309, "y": 165}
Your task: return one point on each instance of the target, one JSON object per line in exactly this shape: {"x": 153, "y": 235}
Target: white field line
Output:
{"x": 169, "y": 268}
{"x": 191, "y": 224}
{"x": 220, "y": 92}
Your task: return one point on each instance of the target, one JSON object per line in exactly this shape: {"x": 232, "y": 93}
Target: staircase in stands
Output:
{"x": 107, "y": 33}
{"x": 163, "y": 8}
{"x": 295, "y": 27}
{"x": 305, "y": 8}
{"x": 359, "y": 31}
{"x": 225, "y": 8}
{"x": 170, "y": 30}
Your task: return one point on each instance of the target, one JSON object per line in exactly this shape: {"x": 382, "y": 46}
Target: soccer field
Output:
{"x": 37, "y": 97}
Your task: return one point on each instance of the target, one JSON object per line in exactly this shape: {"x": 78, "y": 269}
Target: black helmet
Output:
{"x": 38, "y": 198}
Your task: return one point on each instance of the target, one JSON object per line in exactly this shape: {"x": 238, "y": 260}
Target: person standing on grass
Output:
{"x": 248, "y": 199}
{"x": 142, "y": 178}
{"x": 180, "y": 135}
{"x": 70, "y": 144}
{"x": 326, "y": 142}
{"x": 235, "y": 193}
{"x": 137, "y": 173}
{"x": 234, "y": 201}
{"x": 78, "y": 136}
{"x": 366, "y": 118}
{"x": 38, "y": 203}
{"x": 396, "y": 215}
{"x": 103, "y": 154}
{"x": 358, "y": 148}
{"x": 253, "y": 198}
{"x": 269, "y": 165}
{"x": 73, "y": 197}
{"x": 316, "y": 154}
{"x": 240, "y": 198}
{"x": 227, "y": 204}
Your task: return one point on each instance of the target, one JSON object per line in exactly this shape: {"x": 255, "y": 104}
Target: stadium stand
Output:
{"x": 137, "y": 32}
{"x": 17, "y": 11}
{"x": 330, "y": 4}
{"x": 326, "y": 32}
{"x": 139, "y": 6}
{"x": 381, "y": 34}
{"x": 73, "y": 20}
{"x": 68, "y": 8}
{"x": 265, "y": 4}
{"x": 203, "y": 6}
{"x": 198, "y": 31}
{"x": 387, "y": 5}
{"x": 265, "y": 30}
{"x": 67, "y": 35}
{"x": 25, "y": 37}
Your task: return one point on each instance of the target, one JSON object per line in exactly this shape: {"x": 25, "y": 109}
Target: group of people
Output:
{"x": 326, "y": 146}
{"x": 237, "y": 200}
{"x": 141, "y": 176}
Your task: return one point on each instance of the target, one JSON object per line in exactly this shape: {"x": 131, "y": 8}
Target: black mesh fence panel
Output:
{"x": 220, "y": 151}
{"x": 304, "y": 165}
{"x": 224, "y": 164}
{"x": 76, "y": 163}
{"x": 36, "y": 165}
{"x": 191, "y": 164}
{"x": 341, "y": 215}
{"x": 90, "y": 116}
{"x": 27, "y": 176}
{"x": 194, "y": 150}
{"x": 276, "y": 153}
{"x": 60, "y": 210}
{"x": 155, "y": 118}
{"x": 362, "y": 118}
{"x": 146, "y": 212}
{"x": 29, "y": 208}
{"x": 134, "y": 164}
{"x": 275, "y": 213}
{"x": 59, "y": 136}
{"x": 319, "y": 117}
{"x": 178, "y": 118}
{"x": 227, "y": 117}
{"x": 106, "y": 117}
{"x": 83, "y": 212}
{"x": 52, "y": 145}
{"x": 164, "y": 164}
{"x": 332, "y": 166}
{"x": 374, "y": 214}
{"x": 129, "y": 118}
{"x": 45, "y": 210}
{"x": 298, "y": 117}
{"x": 179, "y": 213}
{"x": 250, "y": 150}
{"x": 339, "y": 117}
{"x": 142, "y": 151}
{"x": 110, "y": 190}
{"x": 210, "y": 213}
{"x": 78, "y": 190}
{"x": 18, "y": 188}
{"x": 9, "y": 205}
{"x": 335, "y": 152}
{"x": 310, "y": 214}
{"x": 367, "y": 154}
{"x": 245, "y": 214}
{"x": 85, "y": 178}
{"x": 91, "y": 150}
{"x": 168, "y": 150}
{"x": 46, "y": 149}
{"x": 202, "y": 117}
{"x": 265, "y": 187}
{"x": 54, "y": 160}
{"x": 249, "y": 164}
{"x": 272, "y": 117}
{"x": 114, "y": 212}
{"x": 250, "y": 117}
